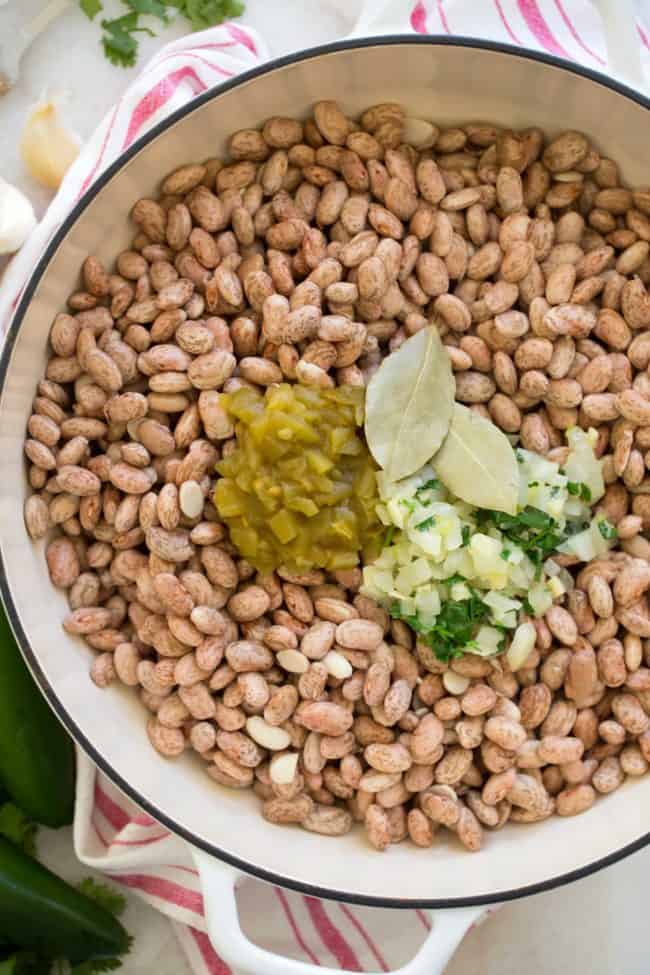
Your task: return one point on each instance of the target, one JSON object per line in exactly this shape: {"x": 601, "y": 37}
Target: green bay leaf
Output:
{"x": 409, "y": 404}
{"x": 477, "y": 463}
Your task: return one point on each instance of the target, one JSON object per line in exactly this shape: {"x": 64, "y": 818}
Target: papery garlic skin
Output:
{"x": 48, "y": 148}
{"x": 17, "y": 219}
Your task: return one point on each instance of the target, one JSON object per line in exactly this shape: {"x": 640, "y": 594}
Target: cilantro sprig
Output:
{"x": 454, "y": 627}
{"x": 119, "y": 38}
{"x": 532, "y": 530}
{"x": 579, "y": 490}
{"x": 607, "y": 530}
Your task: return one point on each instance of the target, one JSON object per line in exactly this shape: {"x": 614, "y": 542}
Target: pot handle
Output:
{"x": 222, "y": 919}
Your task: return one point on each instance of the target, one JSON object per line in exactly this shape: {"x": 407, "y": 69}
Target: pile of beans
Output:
{"x": 308, "y": 256}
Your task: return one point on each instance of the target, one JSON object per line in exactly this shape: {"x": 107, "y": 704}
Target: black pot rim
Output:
{"x": 165, "y": 818}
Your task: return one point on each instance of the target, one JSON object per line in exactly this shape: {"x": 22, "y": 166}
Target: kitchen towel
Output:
{"x": 111, "y": 833}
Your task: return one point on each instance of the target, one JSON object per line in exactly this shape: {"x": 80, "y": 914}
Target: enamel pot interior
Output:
{"x": 448, "y": 83}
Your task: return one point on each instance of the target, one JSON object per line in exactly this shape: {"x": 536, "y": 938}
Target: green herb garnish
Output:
{"x": 408, "y": 504}
{"x": 528, "y": 609}
{"x": 505, "y": 554}
{"x": 577, "y": 489}
{"x": 429, "y": 485}
{"x": 607, "y": 530}
{"x": 454, "y": 626}
{"x": 388, "y": 538}
{"x": 119, "y": 38}
{"x": 466, "y": 533}
{"x": 532, "y": 530}
{"x": 427, "y": 523}
{"x": 120, "y": 46}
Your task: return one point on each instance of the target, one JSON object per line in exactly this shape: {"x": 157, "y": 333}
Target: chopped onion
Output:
{"x": 522, "y": 644}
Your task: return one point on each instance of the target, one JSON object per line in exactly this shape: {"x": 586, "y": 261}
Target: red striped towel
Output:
{"x": 113, "y": 835}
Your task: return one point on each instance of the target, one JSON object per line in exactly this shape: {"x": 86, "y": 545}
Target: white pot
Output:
{"x": 445, "y": 80}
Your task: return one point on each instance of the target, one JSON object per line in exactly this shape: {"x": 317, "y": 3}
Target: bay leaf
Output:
{"x": 477, "y": 463}
{"x": 409, "y": 403}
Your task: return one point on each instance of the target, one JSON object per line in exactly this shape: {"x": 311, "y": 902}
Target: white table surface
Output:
{"x": 597, "y": 925}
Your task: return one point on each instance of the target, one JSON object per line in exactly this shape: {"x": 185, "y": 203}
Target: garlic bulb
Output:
{"x": 17, "y": 218}
{"x": 48, "y": 147}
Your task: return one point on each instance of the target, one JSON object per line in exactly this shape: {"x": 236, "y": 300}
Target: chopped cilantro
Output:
{"x": 533, "y": 484}
{"x": 427, "y": 523}
{"x": 505, "y": 554}
{"x": 466, "y": 532}
{"x": 528, "y": 609}
{"x": 577, "y": 489}
{"x": 451, "y": 580}
{"x": 389, "y": 535}
{"x": 519, "y": 456}
{"x": 607, "y": 530}
{"x": 454, "y": 625}
{"x": 535, "y": 532}
{"x": 429, "y": 485}
{"x": 408, "y": 504}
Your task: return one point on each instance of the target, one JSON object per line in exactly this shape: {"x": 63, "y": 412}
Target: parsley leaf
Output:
{"x": 17, "y": 828}
{"x": 91, "y": 7}
{"x": 118, "y": 38}
{"x": 107, "y": 897}
{"x": 577, "y": 489}
{"x": 208, "y": 13}
{"x": 528, "y": 609}
{"x": 607, "y": 530}
{"x": 429, "y": 485}
{"x": 120, "y": 46}
{"x": 535, "y": 532}
{"x": 454, "y": 625}
{"x": 151, "y": 8}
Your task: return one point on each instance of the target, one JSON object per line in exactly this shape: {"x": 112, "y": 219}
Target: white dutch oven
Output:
{"x": 447, "y": 80}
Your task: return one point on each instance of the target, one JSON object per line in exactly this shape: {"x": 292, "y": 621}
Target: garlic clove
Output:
{"x": 47, "y": 146}
{"x": 17, "y": 218}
